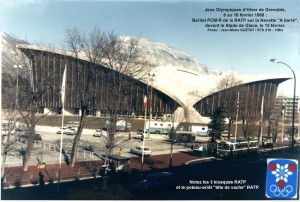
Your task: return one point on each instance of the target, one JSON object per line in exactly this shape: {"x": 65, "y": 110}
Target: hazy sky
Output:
{"x": 168, "y": 22}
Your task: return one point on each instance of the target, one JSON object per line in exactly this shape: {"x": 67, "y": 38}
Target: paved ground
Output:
{"x": 88, "y": 163}
{"x": 16, "y": 177}
{"x": 252, "y": 169}
{"x": 48, "y": 149}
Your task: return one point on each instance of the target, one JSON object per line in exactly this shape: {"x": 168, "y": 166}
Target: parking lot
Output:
{"x": 89, "y": 146}
{"x": 157, "y": 142}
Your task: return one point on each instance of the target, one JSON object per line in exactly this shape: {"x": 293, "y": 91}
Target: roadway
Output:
{"x": 247, "y": 175}
{"x": 250, "y": 171}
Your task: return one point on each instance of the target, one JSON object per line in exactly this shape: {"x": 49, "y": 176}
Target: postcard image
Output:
{"x": 150, "y": 100}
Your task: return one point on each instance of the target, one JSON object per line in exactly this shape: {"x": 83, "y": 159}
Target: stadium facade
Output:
{"x": 176, "y": 90}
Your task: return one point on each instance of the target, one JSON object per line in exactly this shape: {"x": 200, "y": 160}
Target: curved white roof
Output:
{"x": 190, "y": 87}
{"x": 183, "y": 85}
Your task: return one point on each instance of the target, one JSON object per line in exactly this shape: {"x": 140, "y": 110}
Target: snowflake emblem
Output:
{"x": 281, "y": 179}
{"x": 281, "y": 173}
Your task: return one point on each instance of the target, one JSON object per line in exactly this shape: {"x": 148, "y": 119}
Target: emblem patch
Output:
{"x": 282, "y": 177}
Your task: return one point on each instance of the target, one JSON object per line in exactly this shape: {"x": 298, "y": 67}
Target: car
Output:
{"x": 73, "y": 124}
{"x": 154, "y": 131}
{"x": 72, "y": 131}
{"x": 98, "y": 133}
{"x": 64, "y": 129}
{"x": 22, "y": 128}
{"x": 140, "y": 133}
{"x": 155, "y": 182}
{"x": 24, "y": 137}
{"x": 139, "y": 149}
{"x": 37, "y": 137}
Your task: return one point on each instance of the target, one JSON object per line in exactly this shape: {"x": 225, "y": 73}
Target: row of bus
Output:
{"x": 186, "y": 132}
{"x": 226, "y": 147}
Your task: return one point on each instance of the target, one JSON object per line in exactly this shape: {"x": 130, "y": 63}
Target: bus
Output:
{"x": 232, "y": 147}
{"x": 198, "y": 128}
{"x": 201, "y": 147}
{"x": 121, "y": 126}
{"x": 160, "y": 127}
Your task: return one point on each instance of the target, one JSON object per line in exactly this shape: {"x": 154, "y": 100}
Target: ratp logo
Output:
{"x": 282, "y": 178}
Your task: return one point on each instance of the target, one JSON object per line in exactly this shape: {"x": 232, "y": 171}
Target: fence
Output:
{"x": 81, "y": 154}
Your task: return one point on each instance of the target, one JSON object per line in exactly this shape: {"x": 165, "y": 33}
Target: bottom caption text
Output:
{"x": 217, "y": 185}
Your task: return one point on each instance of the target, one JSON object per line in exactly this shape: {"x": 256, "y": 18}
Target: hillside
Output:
{"x": 10, "y": 54}
{"x": 159, "y": 54}
{"x": 89, "y": 122}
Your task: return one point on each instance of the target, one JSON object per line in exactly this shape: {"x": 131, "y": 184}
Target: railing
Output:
{"x": 81, "y": 154}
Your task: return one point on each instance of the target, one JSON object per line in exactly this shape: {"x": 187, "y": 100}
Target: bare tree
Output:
{"x": 27, "y": 101}
{"x": 110, "y": 143}
{"x": 172, "y": 137}
{"x": 250, "y": 126}
{"x": 89, "y": 44}
{"x": 249, "y": 114}
{"x": 229, "y": 97}
{"x": 9, "y": 139}
{"x": 110, "y": 51}
{"x": 73, "y": 41}
{"x": 228, "y": 81}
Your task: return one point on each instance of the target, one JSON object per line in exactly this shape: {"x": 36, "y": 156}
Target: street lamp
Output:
{"x": 152, "y": 75}
{"x": 17, "y": 94}
{"x": 294, "y": 99}
{"x": 17, "y": 87}
{"x": 150, "y": 111}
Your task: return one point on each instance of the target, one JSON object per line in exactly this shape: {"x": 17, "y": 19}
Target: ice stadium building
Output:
{"x": 186, "y": 93}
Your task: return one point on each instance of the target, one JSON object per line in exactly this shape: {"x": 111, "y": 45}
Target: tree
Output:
{"x": 172, "y": 137}
{"x": 249, "y": 113}
{"x": 28, "y": 114}
{"x": 229, "y": 97}
{"x": 227, "y": 81}
{"x": 124, "y": 60}
{"x": 27, "y": 97}
{"x": 9, "y": 139}
{"x": 217, "y": 123}
{"x": 109, "y": 144}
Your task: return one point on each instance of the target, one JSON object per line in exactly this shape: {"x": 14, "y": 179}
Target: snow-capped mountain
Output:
{"x": 10, "y": 54}
{"x": 160, "y": 54}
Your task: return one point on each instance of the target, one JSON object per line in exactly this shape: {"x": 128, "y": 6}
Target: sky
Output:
{"x": 170, "y": 22}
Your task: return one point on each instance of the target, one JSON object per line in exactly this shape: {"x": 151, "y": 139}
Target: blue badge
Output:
{"x": 282, "y": 178}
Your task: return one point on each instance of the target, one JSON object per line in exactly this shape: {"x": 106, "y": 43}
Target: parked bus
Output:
{"x": 160, "y": 127}
{"x": 227, "y": 148}
{"x": 121, "y": 126}
{"x": 201, "y": 147}
{"x": 198, "y": 128}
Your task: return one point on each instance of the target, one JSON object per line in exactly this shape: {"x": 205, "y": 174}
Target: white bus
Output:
{"x": 160, "y": 127}
{"x": 232, "y": 147}
{"x": 200, "y": 130}
{"x": 121, "y": 125}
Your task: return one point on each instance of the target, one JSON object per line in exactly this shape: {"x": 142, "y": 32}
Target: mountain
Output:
{"x": 10, "y": 54}
{"x": 156, "y": 53}
{"x": 160, "y": 54}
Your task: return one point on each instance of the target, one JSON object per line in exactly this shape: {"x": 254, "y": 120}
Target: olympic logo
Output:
{"x": 277, "y": 191}
{"x": 281, "y": 179}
